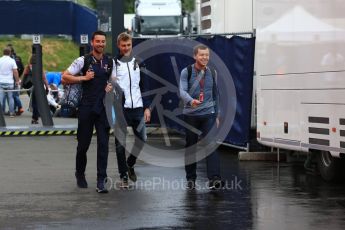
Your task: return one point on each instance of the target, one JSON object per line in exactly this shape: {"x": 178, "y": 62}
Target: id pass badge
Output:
{"x": 201, "y": 96}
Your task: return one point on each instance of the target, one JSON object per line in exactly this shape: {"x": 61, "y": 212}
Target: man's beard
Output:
{"x": 99, "y": 50}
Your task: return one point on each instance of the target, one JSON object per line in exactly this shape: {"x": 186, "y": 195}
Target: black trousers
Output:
{"x": 203, "y": 123}
{"x": 135, "y": 119}
{"x": 87, "y": 120}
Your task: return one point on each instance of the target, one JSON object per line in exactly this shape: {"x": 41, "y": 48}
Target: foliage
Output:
{"x": 89, "y": 3}
{"x": 129, "y": 6}
{"x": 188, "y": 5}
{"x": 58, "y": 53}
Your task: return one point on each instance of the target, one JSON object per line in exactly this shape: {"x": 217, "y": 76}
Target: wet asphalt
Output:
{"x": 38, "y": 191}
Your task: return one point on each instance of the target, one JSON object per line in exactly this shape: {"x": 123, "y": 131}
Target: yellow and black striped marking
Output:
{"x": 8, "y": 133}
{"x": 38, "y": 133}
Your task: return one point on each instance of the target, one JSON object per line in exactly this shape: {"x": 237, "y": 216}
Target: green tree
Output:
{"x": 89, "y": 3}
{"x": 129, "y": 6}
{"x": 188, "y": 5}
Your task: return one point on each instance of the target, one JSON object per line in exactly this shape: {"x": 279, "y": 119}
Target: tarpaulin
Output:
{"x": 233, "y": 58}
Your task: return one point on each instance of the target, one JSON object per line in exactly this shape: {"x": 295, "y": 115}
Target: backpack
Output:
{"x": 27, "y": 80}
{"x": 19, "y": 63}
{"x": 73, "y": 92}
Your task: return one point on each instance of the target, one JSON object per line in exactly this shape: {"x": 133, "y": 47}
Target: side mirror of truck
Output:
{"x": 136, "y": 24}
{"x": 186, "y": 23}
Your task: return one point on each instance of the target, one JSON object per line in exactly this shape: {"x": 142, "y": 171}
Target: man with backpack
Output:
{"x": 199, "y": 93}
{"x": 93, "y": 72}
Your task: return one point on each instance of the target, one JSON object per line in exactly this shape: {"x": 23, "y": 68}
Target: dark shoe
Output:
{"x": 81, "y": 181}
{"x": 190, "y": 184}
{"x": 216, "y": 183}
{"x": 124, "y": 182}
{"x": 131, "y": 174}
{"x": 101, "y": 186}
{"x": 34, "y": 122}
{"x": 20, "y": 111}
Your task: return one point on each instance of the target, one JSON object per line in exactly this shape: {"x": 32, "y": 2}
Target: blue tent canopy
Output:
{"x": 47, "y": 17}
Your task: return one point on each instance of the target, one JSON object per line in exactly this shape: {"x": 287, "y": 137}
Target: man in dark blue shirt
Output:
{"x": 92, "y": 113}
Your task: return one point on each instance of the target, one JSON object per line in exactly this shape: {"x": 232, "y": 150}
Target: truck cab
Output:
{"x": 157, "y": 18}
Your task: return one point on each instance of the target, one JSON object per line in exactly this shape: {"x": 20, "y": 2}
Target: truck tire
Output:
{"x": 329, "y": 166}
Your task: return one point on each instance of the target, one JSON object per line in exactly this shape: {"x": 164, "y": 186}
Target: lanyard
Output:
{"x": 202, "y": 80}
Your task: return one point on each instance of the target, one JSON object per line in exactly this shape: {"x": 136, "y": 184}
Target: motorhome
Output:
{"x": 300, "y": 68}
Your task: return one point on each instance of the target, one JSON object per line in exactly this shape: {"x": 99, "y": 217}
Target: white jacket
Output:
{"x": 128, "y": 78}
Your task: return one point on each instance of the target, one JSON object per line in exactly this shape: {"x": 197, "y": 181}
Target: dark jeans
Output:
{"x": 203, "y": 123}
{"x": 17, "y": 101}
{"x": 86, "y": 121}
{"x": 135, "y": 119}
{"x": 35, "y": 113}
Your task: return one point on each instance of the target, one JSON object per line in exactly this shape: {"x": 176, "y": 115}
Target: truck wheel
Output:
{"x": 329, "y": 166}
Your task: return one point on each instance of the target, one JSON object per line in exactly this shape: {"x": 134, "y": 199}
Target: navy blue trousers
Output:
{"x": 204, "y": 124}
{"x": 135, "y": 119}
{"x": 87, "y": 120}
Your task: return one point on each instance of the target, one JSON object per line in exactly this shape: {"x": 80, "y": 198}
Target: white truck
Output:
{"x": 300, "y": 72}
{"x": 224, "y": 16}
{"x": 158, "y": 18}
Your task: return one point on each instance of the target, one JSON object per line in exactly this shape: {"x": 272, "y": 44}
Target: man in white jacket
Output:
{"x": 135, "y": 109}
